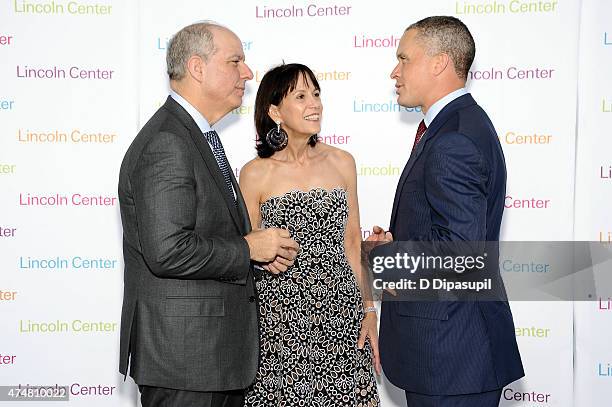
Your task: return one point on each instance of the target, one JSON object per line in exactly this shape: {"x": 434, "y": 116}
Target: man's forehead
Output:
{"x": 402, "y": 47}
{"x": 408, "y": 42}
{"x": 223, "y": 34}
{"x": 226, "y": 41}
{"x": 408, "y": 37}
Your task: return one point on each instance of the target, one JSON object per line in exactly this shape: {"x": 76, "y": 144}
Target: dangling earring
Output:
{"x": 277, "y": 138}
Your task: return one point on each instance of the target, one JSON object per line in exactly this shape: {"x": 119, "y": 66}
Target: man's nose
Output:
{"x": 247, "y": 73}
{"x": 395, "y": 71}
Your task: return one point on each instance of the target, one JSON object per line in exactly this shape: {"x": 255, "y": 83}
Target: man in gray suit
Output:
{"x": 189, "y": 319}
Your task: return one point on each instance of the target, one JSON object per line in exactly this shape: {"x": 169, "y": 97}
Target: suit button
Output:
{"x": 252, "y": 298}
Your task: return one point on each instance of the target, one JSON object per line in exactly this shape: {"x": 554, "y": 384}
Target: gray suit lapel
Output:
{"x": 210, "y": 161}
{"x": 242, "y": 209}
{"x": 216, "y": 174}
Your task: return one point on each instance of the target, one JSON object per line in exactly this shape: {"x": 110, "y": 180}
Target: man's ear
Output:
{"x": 274, "y": 114}
{"x": 196, "y": 68}
{"x": 440, "y": 63}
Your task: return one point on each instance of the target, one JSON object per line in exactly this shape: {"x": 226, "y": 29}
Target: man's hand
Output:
{"x": 279, "y": 265}
{"x": 379, "y": 235}
{"x": 273, "y": 246}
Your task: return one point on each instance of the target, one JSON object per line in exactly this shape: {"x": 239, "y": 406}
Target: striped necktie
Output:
{"x": 217, "y": 148}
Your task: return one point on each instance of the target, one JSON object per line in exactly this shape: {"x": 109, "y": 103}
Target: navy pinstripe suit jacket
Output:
{"x": 451, "y": 189}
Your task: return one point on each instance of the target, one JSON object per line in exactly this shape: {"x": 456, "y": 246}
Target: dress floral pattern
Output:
{"x": 310, "y": 315}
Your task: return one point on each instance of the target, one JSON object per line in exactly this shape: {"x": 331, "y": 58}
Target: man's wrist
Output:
{"x": 248, "y": 243}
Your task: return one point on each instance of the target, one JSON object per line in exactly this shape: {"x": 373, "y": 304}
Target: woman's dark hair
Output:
{"x": 277, "y": 83}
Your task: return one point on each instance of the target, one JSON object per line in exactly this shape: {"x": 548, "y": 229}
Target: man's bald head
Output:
{"x": 195, "y": 39}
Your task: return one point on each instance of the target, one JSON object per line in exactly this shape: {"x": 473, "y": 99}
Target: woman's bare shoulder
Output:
{"x": 339, "y": 157}
{"x": 256, "y": 170}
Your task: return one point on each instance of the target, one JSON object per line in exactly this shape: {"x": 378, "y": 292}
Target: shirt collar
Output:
{"x": 193, "y": 112}
{"x": 441, "y": 104}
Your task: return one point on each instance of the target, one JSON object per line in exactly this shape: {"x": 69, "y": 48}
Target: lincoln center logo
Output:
{"x": 526, "y": 203}
{"x": 58, "y": 7}
{"x": 502, "y": 7}
{"x": 528, "y": 396}
{"x": 27, "y": 199}
{"x": 55, "y": 72}
{"x": 513, "y": 73}
{"x": 362, "y": 41}
{"x": 390, "y": 106}
{"x": 378, "y": 171}
{"x": 61, "y": 137}
{"x": 312, "y": 10}
{"x": 515, "y": 138}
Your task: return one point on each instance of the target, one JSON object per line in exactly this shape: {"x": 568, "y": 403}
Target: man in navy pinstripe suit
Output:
{"x": 452, "y": 189}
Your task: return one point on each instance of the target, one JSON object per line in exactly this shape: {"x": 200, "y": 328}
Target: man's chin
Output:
{"x": 403, "y": 103}
{"x": 236, "y": 104}
{"x": 406, "y": 103}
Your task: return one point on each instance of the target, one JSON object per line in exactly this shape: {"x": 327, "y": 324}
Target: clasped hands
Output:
{"x": 273, "y": 247}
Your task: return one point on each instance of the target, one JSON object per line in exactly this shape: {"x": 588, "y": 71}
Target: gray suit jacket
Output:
{"x": 189, "y": 318}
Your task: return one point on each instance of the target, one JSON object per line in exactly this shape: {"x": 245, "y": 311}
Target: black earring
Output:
{"x": 277, "y": 138}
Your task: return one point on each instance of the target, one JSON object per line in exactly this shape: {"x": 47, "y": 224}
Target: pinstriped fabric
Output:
{"x": 452, "y": 190}
{"x": 217, "y": 148}
{"x": 486, "y": 399}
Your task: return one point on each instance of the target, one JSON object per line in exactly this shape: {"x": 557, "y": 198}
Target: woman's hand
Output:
{"x": 369, "y": 332}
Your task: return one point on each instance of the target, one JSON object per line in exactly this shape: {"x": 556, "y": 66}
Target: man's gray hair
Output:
{"x": 195, "y": 39}
{"x": 448, "y": 35}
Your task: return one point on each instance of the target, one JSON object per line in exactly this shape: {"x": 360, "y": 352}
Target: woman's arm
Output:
{"x": 352, "y": 237}
{"x": 250, "y": 186}
{"x": 253, "y": 179}
{"x": 352, "y": 247}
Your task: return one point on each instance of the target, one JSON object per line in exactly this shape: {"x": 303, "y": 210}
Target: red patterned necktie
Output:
{"x": 419, "y": 133}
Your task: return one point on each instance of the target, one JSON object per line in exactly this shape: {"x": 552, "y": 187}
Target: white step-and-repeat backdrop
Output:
{"x": 79, "y": 78}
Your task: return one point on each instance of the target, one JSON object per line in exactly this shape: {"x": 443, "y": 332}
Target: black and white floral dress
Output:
{"x": 310, "y": 315}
